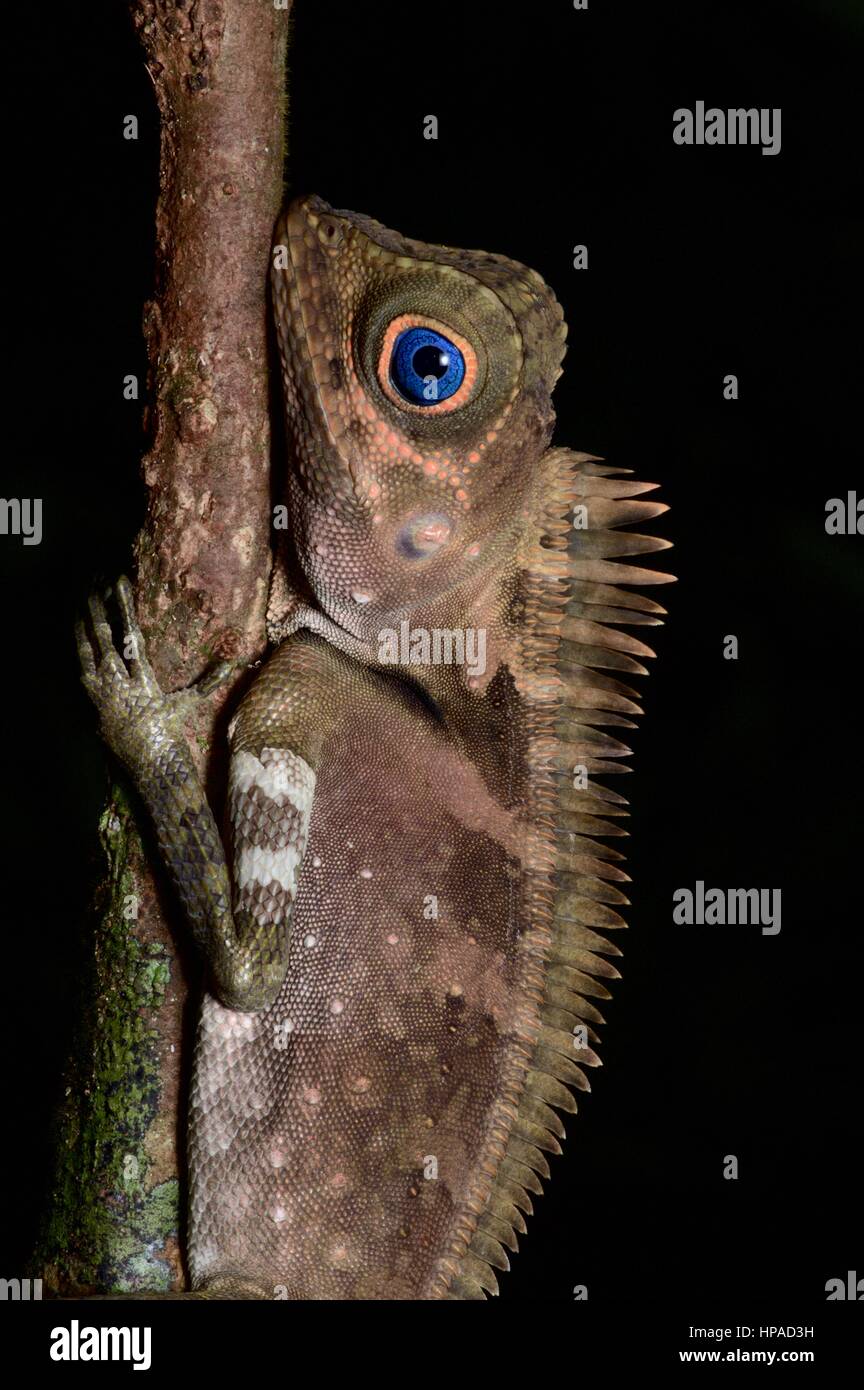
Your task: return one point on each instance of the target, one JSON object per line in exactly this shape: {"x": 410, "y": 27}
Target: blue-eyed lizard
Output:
{"x": 403, "y": 938}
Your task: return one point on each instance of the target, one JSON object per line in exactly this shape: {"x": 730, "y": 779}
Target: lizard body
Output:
{"x": 405, "y": 949}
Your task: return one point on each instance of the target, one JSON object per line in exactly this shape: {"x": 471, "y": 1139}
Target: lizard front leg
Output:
{"x": 247, "y": 953}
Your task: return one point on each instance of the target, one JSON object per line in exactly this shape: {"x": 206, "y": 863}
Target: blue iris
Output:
{"x": 426, "y": 367}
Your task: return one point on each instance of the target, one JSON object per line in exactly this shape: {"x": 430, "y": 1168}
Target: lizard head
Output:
{"x": 418, "y": 385}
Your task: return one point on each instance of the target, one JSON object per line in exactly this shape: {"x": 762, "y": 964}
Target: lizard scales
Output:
{"x": 406, "y": 950}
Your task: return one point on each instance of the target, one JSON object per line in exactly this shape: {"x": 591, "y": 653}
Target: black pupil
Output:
{"x": 430, "y": 361}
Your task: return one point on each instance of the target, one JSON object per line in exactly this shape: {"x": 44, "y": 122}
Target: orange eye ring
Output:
{"x": 459, "y": 397}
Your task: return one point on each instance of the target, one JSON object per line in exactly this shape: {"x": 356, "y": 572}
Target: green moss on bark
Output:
{"x": 106, "y": 1229}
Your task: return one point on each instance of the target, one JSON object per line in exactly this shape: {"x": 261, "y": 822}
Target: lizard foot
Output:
{"x": 135, "y": 714}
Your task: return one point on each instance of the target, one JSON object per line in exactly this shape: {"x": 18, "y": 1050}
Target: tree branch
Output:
{"x": 203, "y": 561}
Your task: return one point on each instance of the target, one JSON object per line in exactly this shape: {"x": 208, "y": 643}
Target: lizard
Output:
{"x": 404, "y": 926}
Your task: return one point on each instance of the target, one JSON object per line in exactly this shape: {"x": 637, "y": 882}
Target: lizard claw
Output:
{"x": 85, "y": 653}
{"x": 212, "y": 680}
{"x": 114, "y": 673}
{"x": 134, "y": 646}
{"x": 187, "y": 700}
{"x": 109, "y": 666}
{"x": 101, "y": 626}
{"x": 134, "y": 714}
{"x": 119, "y": 678}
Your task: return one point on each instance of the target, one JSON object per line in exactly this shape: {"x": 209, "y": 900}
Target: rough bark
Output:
{"x": 203, "y": 559}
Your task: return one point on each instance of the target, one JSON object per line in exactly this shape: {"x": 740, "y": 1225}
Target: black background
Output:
{"x": 555, "y": 129}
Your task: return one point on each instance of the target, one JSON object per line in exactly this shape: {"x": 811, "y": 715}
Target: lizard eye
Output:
{"x": 425, "y": 366}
